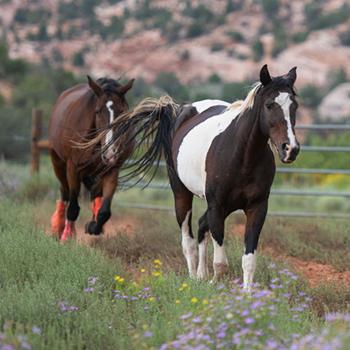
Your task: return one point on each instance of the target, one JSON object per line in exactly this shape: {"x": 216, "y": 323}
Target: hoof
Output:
{"x": 220, "y": 270}
{"x": 92, "y": 228}
{"x": 69, "y": 232}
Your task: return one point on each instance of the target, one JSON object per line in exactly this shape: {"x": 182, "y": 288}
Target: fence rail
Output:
{"x": 38, "y": 145}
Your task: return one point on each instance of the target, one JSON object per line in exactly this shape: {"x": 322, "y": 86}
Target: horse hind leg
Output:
{"x": 203, "y": 238}
{"x": 183, "y": 207}
{"x": 58, "y": 217}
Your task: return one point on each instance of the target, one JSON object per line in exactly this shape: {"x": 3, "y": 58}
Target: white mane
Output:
{"x": 248, "y": 102}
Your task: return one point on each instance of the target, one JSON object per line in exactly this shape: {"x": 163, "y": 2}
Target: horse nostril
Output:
{"x": 285, "y": 146}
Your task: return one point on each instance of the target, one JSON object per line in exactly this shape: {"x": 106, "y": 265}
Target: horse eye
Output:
{"x": 269, "y": 105}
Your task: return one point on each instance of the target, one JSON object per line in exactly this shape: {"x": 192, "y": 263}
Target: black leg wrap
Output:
{"x": 73, "y": 211}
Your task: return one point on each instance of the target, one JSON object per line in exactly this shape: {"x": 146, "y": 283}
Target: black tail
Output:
{"x": 147, "y": 128}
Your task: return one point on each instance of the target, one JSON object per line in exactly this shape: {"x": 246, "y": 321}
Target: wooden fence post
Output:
{"x": 36, "y": 134}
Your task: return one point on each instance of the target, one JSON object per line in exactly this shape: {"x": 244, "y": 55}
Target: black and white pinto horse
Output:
{"x": 221, "y": 153}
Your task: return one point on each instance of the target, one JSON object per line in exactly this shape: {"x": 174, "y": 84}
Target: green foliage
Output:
{"x": 300, "y": 37}
{"x": 316, "y": 19}
{"x": 172, "y": 86}
{"x": 258, "y": 50}
{"x": 195, "y": 29}
{"x": 236, "y": 36}
{"x": 28, "y": 16}
{"x": 78, "y": 58}
{"x": 311, "y": 95}
{"x": 10, "y": 69}
{"x": 113, "y": 30}
{"x": 235, "y": 91}
{"x": 280, "y": 39}
{"x": 345, "y": 37}
{"x": 270, "y": 7}
{"x": 217, "y": 47}
{"x": 336, "y": 78}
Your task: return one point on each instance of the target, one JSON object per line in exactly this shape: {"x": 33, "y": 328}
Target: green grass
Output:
{"x": 37, "y": 275}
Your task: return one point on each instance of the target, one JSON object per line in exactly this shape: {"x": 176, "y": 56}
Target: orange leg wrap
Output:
{"x": 58, "y": 218}
{"x": 96, "y": 206}
{"x": 69, "y": 231}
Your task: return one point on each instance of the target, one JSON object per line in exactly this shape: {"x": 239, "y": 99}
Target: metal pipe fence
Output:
{"x": 284, "y": 170}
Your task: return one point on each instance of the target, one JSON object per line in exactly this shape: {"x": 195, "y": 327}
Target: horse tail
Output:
{"x": 147, "y": 129}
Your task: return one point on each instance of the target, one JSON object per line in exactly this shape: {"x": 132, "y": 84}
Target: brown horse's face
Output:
{"x": 278, "y": 118}
{"x": 109, "y": 106}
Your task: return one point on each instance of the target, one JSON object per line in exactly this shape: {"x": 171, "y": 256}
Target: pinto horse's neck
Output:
{"x": 255, "y": 140}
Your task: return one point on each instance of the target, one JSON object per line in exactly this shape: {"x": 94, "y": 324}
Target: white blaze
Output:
{"x": 248, "y": 266}
{"x": 284, "y": 100}
{"x": 109, "y": 136}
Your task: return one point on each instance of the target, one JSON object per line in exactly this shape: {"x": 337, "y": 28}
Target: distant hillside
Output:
{"x": 172, "y": 44}
{"x": 193, "y": 39}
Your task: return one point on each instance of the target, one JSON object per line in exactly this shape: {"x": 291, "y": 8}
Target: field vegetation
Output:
{"x": 129, "y": 289}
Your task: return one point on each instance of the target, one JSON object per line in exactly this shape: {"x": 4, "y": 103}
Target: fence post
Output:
{"x": 36, "y": 134}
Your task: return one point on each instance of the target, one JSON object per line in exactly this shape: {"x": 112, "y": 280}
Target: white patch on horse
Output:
{"x": 284, "y": 100}
{"x": 203, "y": 105}
{"x": 203, "y": 271}
{"x": 248, "y": 266}
{"x": 189, "y": 247}
{"x": 109, "y": 136}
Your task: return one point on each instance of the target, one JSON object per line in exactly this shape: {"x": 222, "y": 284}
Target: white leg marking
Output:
{"x": 203, "y": 271}
{"x": 248, "y": 266}
{"x": 283, "y": 99}
{"x": 189, "y": 246}
{"x": 220, "y": 262}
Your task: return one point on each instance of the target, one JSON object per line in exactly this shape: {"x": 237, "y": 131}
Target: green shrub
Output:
{"x": 236, "y": 36}
{"x": 258, "y": 50}
{"x": 310, "y": 95}
{"x": 345, "y": 37}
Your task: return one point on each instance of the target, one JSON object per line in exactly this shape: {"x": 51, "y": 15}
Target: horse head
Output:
{"x": 279, "y": 106}
{"x": 110, "y": 103}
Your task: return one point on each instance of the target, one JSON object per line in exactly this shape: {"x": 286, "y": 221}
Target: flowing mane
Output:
{"x": 248, "y": 102}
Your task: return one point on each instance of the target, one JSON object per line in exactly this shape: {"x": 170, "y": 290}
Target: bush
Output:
{"x": 26, "y": 16}
{"x": 310, "y": 95}
{"x": 236, "y": 36}
{"x": 300, "y": 37}
{"x": 258, "y": 50}
{"x": 195, "y": 29}
{"x": 217, "y": 47}
{"x": 235, "y": 91}
{"x": 270, "y": 7}
{"x": 78, "y": 59}
{"x": 170, "y": 83}
{"x": 345, "y": 37}
{"x": 316, "y": 19}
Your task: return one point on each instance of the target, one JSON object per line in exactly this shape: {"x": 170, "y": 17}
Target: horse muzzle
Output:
{"x": 288, "y": 153}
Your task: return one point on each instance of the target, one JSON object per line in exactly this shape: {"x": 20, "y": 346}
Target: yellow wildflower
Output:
{"x": 205, "y": 302}
{"x": 177, "y": 301}
{"x": 151, "y": 299}
{"x": 194, "y": 300}
{"x": 119, "y": 279}
{"x": 157, "y": 262}
{"x": 143, "y": 270}
{"x": 156, "y": 273}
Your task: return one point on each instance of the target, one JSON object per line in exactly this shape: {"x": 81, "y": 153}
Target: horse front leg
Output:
{"x": 102, "y": 209}
{"x": 256, "y": 215}
{"x": 73, "y": 206}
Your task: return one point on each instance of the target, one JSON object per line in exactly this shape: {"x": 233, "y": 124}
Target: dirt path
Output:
{"x": 316, "y": 273}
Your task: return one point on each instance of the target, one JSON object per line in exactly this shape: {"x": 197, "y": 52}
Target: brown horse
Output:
{"x": 221, "y": 153}
{"x": 79, "y": 113}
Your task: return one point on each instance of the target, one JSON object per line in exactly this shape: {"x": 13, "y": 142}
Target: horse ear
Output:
{"x": 95, "y": 87}
{"x": 292, "y": 75}
{"x": 125, "y": 88}
{"x": 265, "y": 76}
